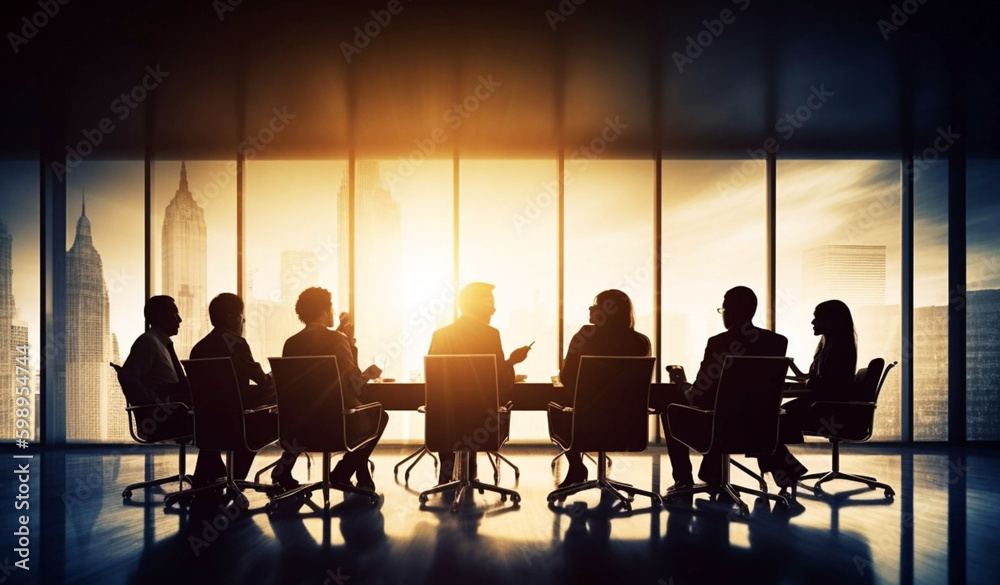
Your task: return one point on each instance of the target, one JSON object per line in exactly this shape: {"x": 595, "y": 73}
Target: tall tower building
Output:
{"x": 6, "y": 318}
{"x": 185, "y": 264}
{"x": 94, "y": 406}
{"x": 378, "y": 263}
{"x": 299, "y": 271}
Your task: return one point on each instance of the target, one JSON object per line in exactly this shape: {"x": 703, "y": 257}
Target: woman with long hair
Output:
{"x": 830, "y": 377}
{"x": 611, "y": 332}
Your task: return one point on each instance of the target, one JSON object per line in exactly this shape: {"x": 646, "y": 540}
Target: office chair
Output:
{"x": 312, "y": 416}
{"x": 150, "y": 424}
{"x": 221, "y": 423}
{"x": 743, "y": 421}
{"x": 852, "y": 421}
{"x": 610, "y": 412}
{"x": 464, "y": 415}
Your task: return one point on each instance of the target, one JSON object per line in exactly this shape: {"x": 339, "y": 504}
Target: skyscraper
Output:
{"x": 853, "y": 274}
{"x": 185, "y": 264}
{"x": 95, "y": 405}
{"x": 6, "y": 318}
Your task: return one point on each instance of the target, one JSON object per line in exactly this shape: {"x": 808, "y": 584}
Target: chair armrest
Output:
{"x": 686, "y": 407}
{"x": 154, "y": 405}
{"x": 506, "y": 407}
{"x": 558, "y": 406}
{"x": 261, "y": 408}
{"x": 363, "y": 408}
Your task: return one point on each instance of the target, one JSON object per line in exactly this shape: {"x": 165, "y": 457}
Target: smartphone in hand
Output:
{"x": 372, "y": 372}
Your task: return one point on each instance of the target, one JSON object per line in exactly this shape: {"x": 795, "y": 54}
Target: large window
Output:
{"x": 608, "y": 239}
{"x": 20, "y": 320}
{"x": 105, "y": 292}
{"x": 714, "y": 238}
{"x": 404, "y": 275}
{"x": 508, "y": 236}
{"x": 983, "y": 297}
{"x": 930, "y": 302}
{"x": 193, "y": 240}
{"x": 295, "y": 238}
{"x": 838, "y": 237}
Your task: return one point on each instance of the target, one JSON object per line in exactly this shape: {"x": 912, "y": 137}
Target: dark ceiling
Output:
{"x": 230, "y": 66}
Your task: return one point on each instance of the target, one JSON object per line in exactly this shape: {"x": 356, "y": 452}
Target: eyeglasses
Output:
{"x": 721, "y": 310}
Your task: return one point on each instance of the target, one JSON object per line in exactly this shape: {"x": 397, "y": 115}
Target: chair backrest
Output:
{"x": 461, "y": 402}
{"x": 866, "y": 382}
{"x": 147, "y": 424}
{"x": 310, "y": 402}
{"x": 748, "y": 403}
{"x": 610, "y": 403}
{"x": 218, "y": 406}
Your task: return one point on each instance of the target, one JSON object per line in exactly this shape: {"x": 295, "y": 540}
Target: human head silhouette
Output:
{"x": 612, "y": 309}
{"x": 832, "y": 319}
{"x": 161, "y": 313}
{"x": 476, "y": 301}
{"x": 738, "y": 306}
{"x": 226, "y": 312}
{"x": 315, "y": 304}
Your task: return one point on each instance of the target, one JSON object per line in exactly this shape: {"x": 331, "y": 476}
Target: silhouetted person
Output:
{"x": 226, "y": 340}
{"x": 315, "y": 310}
{"x": 830, "y": 377}
{"x": 152, "y": 373}
{"x": 611, "y": 332}
{"x": 471, "y": 334}
{"x": 740, "y": 338}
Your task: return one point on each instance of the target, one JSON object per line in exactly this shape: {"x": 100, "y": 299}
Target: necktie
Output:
{"x": 181, "y": 378}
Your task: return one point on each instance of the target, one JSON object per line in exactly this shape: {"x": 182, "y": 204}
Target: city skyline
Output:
{"x": 124, "y": 282}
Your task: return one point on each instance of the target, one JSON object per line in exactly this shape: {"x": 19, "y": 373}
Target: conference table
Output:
{"x": 524, "y": 395}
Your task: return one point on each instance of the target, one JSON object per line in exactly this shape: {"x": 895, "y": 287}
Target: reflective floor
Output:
{"x": 941, "y": 527}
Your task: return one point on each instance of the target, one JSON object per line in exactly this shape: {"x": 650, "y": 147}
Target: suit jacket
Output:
{"x": 742, "y": 339}
{"x": 471, "y": 336}
{"x": 591, "y": 340}
{"x": 148, "y": 374}
{"x": 219, "y": 343}
{"x": 315, "y": 340}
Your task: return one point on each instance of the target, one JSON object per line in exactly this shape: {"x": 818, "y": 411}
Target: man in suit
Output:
{"x": 471, "y": 334}
{"x": 741, "y": 337}
{"x": 226, "y": 340}
{"x": 152, "y": 374}
{"x": 315, "y": 309}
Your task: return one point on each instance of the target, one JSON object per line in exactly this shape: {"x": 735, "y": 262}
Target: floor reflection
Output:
{"x": 87, "y": 534}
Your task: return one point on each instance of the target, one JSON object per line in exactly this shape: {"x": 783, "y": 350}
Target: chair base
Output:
{"x": 615, "y": 488}
{"x": 496, "y": 466}
{"x": 326, "y": 485}
{"x": 464, "y": 486}
{"x": 824, "y": 477}
{"x": 180, "y": 478}
{"x": 728, "y": 489}
{"x": 418, "y": 454}
{"x": 234, "y": 487}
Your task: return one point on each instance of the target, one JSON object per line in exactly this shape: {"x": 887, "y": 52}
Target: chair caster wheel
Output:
{"x": 516, "y": 499}
{"x": 503, "y": 497}
{"x": 127, "y": 494}
{"x": 481, "y": 491}
{"x": 889, "y": 493}
{"x": 551, "y": 499}
{"x": 423, "y": 499}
